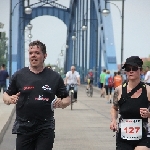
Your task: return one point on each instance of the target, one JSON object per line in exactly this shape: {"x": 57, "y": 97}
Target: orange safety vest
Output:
{"x": 117, "y": 80}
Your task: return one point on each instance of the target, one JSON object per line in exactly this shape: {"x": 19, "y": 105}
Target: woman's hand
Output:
{"x": 113, "y": 125}
{"x": 144, "y": 112}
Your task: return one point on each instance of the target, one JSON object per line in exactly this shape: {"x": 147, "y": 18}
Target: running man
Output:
{"x": 33, "y": 90}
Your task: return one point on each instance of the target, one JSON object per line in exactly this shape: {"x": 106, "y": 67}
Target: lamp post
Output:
{"x": 105, "y": 13}
{"x": 63, "y": 52}
{"x": 28, "y": 10}
{"x": 66, "y": 47}
{"x": 84, "y": 28}
{"x": 29, "y": 26}
{"x": 1, "y": 25}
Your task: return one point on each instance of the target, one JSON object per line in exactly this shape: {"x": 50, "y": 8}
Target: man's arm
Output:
{"x": 10, "y": 99}
{"x": 66, "y": 102}
{"x": 6, "y": 98}
{"x": 78, "y": 80}
{"x": 67, "y": 76}
{"x": 65, "y": 80}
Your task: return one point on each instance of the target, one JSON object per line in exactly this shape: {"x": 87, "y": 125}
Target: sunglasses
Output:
{"x": 133, "y": 68}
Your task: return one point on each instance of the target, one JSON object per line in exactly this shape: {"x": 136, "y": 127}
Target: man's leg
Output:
{"x": 45, "y": 140}
{"x": 4, "y": 88}
{"x": 25, "y": 142}
{"x": 110, "y": 96}
{"x": 75, "y": 91}
{"x": 101, "y": 87}
{"x": 68, "y": 87}
{"x": 107, "y": 94}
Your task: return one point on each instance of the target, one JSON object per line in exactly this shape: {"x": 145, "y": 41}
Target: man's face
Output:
{"x": 132, "y": 72}
{"x": 72, "y": 69}
{"x": 36, "y": 57}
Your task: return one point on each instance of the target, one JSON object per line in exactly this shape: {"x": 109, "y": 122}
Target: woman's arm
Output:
{"x": 114, "y": 109}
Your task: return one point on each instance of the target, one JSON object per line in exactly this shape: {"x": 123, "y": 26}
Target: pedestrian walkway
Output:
{"x": 86, "y": 126}
{"x": 6, "y": 113}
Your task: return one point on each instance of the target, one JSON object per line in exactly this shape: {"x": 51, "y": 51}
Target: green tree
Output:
{"x": 3, "y": 48}
{"x": 146, "y": 63}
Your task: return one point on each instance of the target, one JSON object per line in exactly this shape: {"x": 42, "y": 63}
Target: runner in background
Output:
{"x": 117, "y": 79}
{"x": 102, "y": 82}
{"x": 108, "y": 86}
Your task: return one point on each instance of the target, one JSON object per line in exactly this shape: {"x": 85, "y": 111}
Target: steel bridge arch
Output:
{"x": 19, "y": 21}
{"x": 86, "y": 52}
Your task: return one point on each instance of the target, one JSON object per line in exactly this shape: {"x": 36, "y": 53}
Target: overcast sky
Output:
{"x": 52, "y": 31}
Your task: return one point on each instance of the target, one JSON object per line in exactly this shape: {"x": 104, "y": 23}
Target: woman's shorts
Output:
{"x": 123, "y": 144}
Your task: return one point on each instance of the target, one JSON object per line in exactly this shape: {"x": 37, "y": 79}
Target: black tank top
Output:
{"x": 130, "y": 109}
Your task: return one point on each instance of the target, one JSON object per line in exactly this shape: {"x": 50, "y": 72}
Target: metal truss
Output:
{"x": 48, "y": 3}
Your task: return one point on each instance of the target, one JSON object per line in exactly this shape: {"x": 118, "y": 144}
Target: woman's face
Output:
{"x": 133, "y": 72}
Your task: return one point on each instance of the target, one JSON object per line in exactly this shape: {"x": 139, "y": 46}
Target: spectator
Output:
{"x": 3, "y": 76}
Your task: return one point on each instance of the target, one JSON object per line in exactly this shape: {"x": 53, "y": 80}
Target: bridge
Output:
{"x": 89, "y": 36}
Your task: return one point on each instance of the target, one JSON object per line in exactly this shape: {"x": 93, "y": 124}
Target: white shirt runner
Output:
{"x": 131, "y": 129}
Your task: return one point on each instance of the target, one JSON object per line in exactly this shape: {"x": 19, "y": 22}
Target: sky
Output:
{"x": 52, "y": 31}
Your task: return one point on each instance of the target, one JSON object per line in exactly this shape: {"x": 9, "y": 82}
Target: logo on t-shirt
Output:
{"x": 41, "y": 98}
{"x": 46, "y": 87}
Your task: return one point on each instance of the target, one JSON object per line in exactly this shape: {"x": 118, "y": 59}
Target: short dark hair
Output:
{"x": 104, "y": 70}
{"x": 49, "y": 67}
{"x": 115, "y": 73}
{"x": 3, "y": 65}
{"x": 39, "y": 44}
{"x": 119, "y": 72}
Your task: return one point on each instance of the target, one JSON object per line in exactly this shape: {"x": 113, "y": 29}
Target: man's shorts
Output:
{"x": 90, "y": 81}
{"x": 102, "y": 85}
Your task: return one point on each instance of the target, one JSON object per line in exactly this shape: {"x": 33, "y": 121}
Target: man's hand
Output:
{"x": 58, "y": 103}
{"x": 14, "y": 98}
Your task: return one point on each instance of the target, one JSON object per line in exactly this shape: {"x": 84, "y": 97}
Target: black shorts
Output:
{"x": 108, "y": 89}
{"x": 42, "y": 140}
{"x": 131, "y": 144}
{"x": 90, "y": 81}
{"x": 101, "y": 85}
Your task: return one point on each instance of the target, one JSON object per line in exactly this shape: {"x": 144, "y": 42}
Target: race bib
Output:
{"x": 131, "y": 129}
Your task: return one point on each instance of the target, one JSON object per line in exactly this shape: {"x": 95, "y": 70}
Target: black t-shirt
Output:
{"x": 33, "y": 108}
